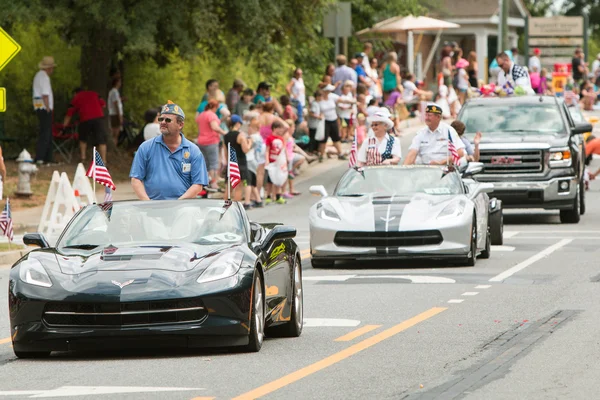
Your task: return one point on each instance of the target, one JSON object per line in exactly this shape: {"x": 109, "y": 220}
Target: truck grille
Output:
{"x": 512, "y": 161}
{"x": 117, "y": 315}
{"x": 388, "y": 239}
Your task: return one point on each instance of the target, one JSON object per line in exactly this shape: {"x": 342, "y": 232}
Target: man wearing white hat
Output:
{"x": 431, "y": 144}
{"x": 43, "y": 104}
{"x": 380, "y": 148}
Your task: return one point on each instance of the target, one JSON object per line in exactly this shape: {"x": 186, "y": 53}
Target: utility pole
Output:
{"x": 499, "y": 42}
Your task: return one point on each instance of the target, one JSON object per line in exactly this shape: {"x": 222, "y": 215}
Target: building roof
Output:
{"x": 449, "y": 9}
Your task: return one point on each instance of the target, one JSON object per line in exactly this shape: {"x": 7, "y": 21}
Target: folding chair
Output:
{"x": 65, "y": 140}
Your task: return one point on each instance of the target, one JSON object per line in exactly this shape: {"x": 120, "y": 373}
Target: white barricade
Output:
{"x": 61, "y": 205}
{"x": 81, "y": 184}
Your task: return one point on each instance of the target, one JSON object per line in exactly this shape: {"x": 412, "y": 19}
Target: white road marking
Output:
{"x": 456, "y": 301}
{"x": 483, "y": 286}
{"x": 503, "y": 248}
{"x": 509, "y": 234}
{"x": 77, "y": 391}
{"x": 557, "y": 237}
{"x": 337, "y": 278}
{"x": 329, "y": 322}
{"x": 412, "y": 278}
{"x": 544, "y": 253}
{"x": 470, "y": 294}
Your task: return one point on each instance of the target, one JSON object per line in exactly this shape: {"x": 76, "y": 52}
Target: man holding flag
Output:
{"x": 437, "y": 143}
{"x": 168, "y": 166}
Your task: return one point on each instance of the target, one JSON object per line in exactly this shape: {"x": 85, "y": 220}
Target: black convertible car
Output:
{"x": 182, "y": 273}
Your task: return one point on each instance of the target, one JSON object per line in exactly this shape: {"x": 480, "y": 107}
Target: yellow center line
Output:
{"x": 204, "y": 398}
{"x": 5, "y": 340}
{"x": 356, "y": 333}
{"x": 337, "y": 357}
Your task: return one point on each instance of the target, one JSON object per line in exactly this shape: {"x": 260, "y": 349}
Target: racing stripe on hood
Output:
{"x": 387, "y": 214}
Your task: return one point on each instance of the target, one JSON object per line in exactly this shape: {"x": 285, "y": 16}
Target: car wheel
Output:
{"x": 322, "y": 263}
{"x": 572, "y": 216}
{"x": 31, "y": 354}
{"x": 497, "y": 226}
{"x": 485, "y": 253}
{"x": 293, "y": 328}
{"x": 472, "y": 256}
{"x": 582, "y": 198}
{"x": 257, "y": 323}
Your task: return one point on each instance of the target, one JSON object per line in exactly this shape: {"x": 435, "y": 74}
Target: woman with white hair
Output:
{"x": 381, "y": 147}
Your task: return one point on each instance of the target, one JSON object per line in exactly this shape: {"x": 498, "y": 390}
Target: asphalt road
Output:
{"x": 522, "y": 325}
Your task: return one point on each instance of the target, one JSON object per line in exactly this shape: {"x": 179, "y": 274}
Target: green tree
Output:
{"x": 539, "y": 8}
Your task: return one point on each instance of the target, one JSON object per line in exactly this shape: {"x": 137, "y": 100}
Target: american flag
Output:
{"x": 6, "y": 223}
{"x": 452, "y": 150}
{"x": 353, "y": 151}
{"x": 99, "y": 172}
{"x": 234, "y": 170}
{"x": 571, "y": 98}
{"x": 373, "y": 156}
{"x": 107, "y": 194}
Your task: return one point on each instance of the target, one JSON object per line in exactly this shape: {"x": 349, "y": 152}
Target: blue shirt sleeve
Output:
{"x": 139, "y": 164}
{"x": 199, "y": 171}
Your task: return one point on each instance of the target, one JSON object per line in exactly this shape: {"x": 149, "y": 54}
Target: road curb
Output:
{"x": 11, "y": 257}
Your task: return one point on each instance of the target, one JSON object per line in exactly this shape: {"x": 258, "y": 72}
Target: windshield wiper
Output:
{"x": 351, "y": 195}
{"x": 518, "y": 130}
{"x": 82, "y": 246}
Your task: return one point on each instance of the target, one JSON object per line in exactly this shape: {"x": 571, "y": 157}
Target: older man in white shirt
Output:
{"x": 43, "y": 104}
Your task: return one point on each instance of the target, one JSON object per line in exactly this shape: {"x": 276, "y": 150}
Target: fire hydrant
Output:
{"x": 26, "y": 169}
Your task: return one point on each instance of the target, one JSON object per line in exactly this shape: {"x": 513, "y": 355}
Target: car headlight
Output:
{"x": 453, "y": 209}
{"x": 33, "y": 272}
{"x": 328, "y": 213}
{"x": 560, "y": 158}
{"x": 225, "y": 266}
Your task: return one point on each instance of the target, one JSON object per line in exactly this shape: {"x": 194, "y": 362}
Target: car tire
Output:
{"x": 582, "y": 197}
{"x": 31, "y": 354}
{"x": 572, "y": 216}
{"x": 485, "y": 253}
{"x": 472, "y": 256}
{"x": 293, "y": 328}
{"x": 497, "y": 226}
{"x": 257, "y": 323}
{"x": 322, "y": 263}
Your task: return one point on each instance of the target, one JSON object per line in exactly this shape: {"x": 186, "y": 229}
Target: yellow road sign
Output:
{"x": 2, "y": 99}
{"x": 8, "y": 48}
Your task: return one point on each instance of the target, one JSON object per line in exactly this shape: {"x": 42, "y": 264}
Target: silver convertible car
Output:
{"x": 405, "y": 212}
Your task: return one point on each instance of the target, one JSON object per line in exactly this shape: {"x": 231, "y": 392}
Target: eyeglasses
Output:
{"x": 167, "y": 120}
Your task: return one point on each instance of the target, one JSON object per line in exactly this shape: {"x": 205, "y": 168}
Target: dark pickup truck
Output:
{"x": 532, "y": 150}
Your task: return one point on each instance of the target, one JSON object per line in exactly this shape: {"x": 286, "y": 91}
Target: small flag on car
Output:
{"x": 99, "y": 172}
{"x": 452, "y": 150}
{"x": 233, "y": 169}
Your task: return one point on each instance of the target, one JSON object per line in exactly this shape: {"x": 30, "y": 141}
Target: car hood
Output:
{"x": 373, "y": 212}
{"x": 168, "y": 258}
{"x": 541, "y": 141}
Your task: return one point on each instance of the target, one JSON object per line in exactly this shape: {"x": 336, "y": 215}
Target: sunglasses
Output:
{"x": 167, "y": 120}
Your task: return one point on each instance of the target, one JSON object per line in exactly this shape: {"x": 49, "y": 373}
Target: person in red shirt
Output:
{"x": 274, "y": 146}
{"x": 92, "y": 127}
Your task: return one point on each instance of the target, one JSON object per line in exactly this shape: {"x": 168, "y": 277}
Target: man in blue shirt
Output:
{"x": 169, "y": 166}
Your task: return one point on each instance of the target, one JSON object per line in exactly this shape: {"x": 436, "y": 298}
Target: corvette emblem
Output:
{"x": 387, "y": 219}
{"x": 122, "y": 285}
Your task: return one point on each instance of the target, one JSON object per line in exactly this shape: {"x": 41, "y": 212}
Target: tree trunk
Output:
{"x": 96, "y": 57}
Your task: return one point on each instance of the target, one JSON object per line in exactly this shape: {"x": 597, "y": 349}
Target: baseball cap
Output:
{"x": 264, "y": 85}
{"x": 236, "y": 119}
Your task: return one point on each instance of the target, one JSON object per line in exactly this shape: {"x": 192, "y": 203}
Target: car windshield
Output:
{"x": 512, "y": 118}
{"x": 576, "y": 115}
{"x": 399, "y": 181}
{"x": 154, "y": 223}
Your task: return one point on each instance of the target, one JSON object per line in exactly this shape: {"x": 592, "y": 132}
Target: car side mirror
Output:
{"x": 36, "y": 239}
{"x": 580, "y": 129}
{"x": 318, "y": 190}
{"x": 473, "y": 168}
{"x": 280, "y": 232}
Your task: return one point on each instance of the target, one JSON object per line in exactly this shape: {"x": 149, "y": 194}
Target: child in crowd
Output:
{"x": 361, "y": 129}
{"x": 276, "y": 154}
{"x": 255, "y": 158}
